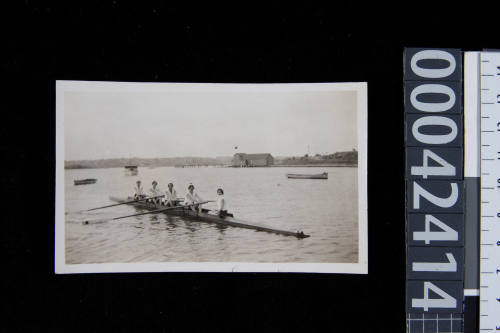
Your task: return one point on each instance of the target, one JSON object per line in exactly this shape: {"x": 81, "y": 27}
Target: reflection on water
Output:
{"x": 324, "y": 209}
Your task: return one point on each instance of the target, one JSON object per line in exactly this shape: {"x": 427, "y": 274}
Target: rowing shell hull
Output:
{"x": 204, "y": 217}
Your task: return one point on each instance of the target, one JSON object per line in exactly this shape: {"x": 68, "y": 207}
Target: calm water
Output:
{"x": 324, "y": 209}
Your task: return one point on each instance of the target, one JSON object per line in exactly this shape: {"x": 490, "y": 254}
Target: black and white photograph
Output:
{"x": 172, "y": 168}
{"x": 211, "y": 177}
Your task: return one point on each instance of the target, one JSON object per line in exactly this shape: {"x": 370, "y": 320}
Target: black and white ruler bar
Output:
{"x": 482, "y": 179}
{"x": 489, "y": 70}
{"x": 472, "y": 161}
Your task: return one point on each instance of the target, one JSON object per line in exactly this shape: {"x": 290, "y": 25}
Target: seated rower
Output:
{"x": 221, "y": 210}
{"x": 170, "y": 199}
{"x": 192, "y": 198}
{"x": 138, "y": 191}
{"x": 155, "y": 192}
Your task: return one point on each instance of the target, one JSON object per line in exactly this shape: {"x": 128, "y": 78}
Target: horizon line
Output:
{"x": 220, "y": 156}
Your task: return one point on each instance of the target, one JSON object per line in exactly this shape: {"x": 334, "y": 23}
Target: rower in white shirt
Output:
{"x": 192, "y": 197}
{"x": 155, "y": 192}
{"x": 138, "y": 191}
{"x": 170, "y": 199}
{"x": 221, "y": 210}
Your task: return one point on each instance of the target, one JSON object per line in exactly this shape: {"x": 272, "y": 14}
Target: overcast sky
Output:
{"x": 209, "y": 124}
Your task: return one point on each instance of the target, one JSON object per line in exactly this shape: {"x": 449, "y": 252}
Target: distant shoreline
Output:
{"x": 339, "y": 165}
{"x": 339, "y": 159}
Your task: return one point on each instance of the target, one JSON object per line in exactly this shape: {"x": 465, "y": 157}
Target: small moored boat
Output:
{"x": 131, "y": 170}
{"x": 85, "y": 181}
{"x": 323, "y": 175}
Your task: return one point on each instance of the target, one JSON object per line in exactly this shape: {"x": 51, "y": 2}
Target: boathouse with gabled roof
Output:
{"x": 252, "y": 160}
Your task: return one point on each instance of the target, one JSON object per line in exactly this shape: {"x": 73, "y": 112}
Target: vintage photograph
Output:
{"x": 182, "y": 177}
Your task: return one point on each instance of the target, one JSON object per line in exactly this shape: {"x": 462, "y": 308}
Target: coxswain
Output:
{"x": 221, "y": 210}
{"x": 191, "y": 198}
{"x": 138, "y": 191}
{"x": 170, "y": 199}
{"x": 155, "y": 192}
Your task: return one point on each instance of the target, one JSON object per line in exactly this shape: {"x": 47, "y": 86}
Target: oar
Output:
{"x": 153, "y": 212}
{"x": 124, "y": 203}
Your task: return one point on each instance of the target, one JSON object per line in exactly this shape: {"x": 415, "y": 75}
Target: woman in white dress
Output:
{"x": 155, "y": 192}
{"x": 138, "y": 191}
{"x": 191, "y": 198}
{"x": 170, "y": 199}
{"x": 221, "y": 210}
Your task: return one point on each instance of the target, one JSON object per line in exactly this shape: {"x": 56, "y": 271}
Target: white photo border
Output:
{"x": 361, "y": 267}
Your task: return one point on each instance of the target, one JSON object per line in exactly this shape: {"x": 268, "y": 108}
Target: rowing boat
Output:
{"x": 204, "y": 216}
{"x": 85, "y": 181}
{"x": 323, "y": 175}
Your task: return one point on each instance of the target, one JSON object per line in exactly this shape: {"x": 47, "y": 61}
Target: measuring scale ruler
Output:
{"x": 482, "y": 176}
{"x": 489, "y": 307}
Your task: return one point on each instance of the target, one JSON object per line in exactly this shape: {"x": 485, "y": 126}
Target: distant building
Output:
{"x": 252, "y": 160}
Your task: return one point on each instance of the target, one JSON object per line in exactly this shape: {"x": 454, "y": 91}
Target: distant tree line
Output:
{"x": 143, "y": 162}
{"x": 345, "y": 157}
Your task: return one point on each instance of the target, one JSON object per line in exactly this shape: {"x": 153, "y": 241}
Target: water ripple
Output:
{"x": 326, "y": 210}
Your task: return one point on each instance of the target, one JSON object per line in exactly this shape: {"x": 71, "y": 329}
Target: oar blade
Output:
{"x": 126, "y": 202}
{"x": 145, "y": 213}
